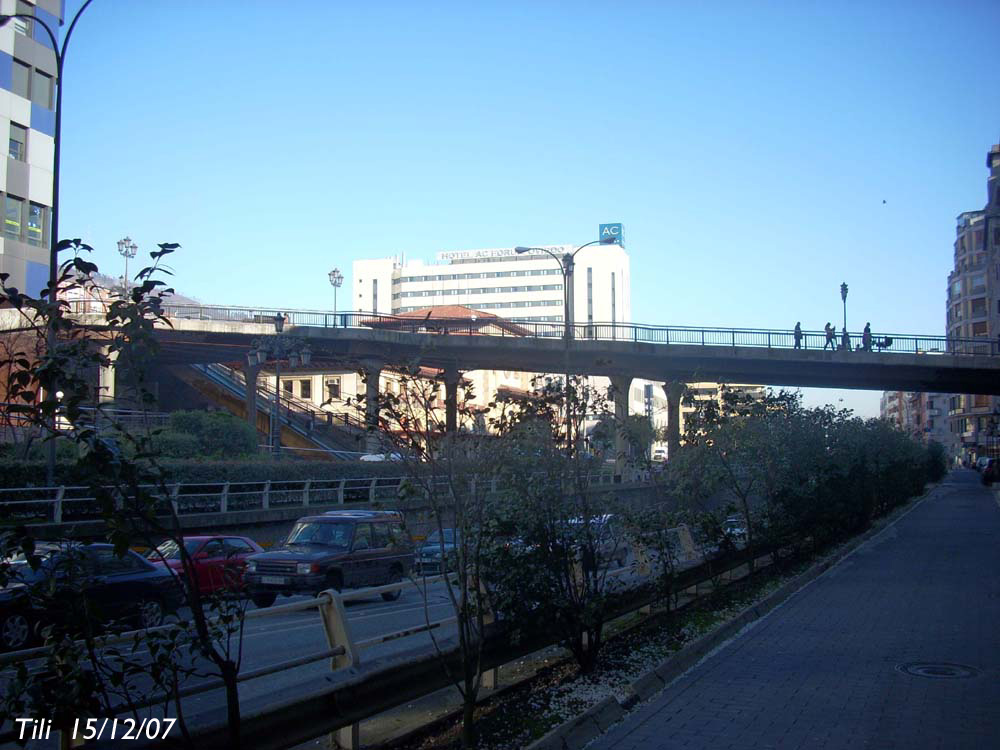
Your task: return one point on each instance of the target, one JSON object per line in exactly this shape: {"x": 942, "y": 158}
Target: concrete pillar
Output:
{"x": 106, "y": 377}
{"x": 620, "y": 385}
{"x": 250, "y": 375}
{"x": 674, "y": 391}
{"x": 373, "y": 372}
{"x": 452, "y": 377}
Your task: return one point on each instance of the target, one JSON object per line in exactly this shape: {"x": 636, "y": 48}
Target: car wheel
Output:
{"x": 15, "y": 632}
{"x": 394, "y": 577}
{"x": 150, "y": 613}
{"x": 263, "y": 600}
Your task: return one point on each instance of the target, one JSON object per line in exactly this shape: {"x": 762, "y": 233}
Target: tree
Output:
{"x": 51, "y": 387}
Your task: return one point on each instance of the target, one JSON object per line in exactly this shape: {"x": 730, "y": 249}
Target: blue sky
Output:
{"x": 758, "y": 154}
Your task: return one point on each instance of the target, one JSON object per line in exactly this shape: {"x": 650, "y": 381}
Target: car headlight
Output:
{"x": 304, "y": 569}
{"x": 251, "y": 566}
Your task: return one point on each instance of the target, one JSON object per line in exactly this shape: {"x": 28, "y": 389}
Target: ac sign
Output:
{"x": 611, "y": 234}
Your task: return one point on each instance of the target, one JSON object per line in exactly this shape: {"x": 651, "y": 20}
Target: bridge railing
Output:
{"x": 640, "y": 333}
{"x": 64, "y": 504}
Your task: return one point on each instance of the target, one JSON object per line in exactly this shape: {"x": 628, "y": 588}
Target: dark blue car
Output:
{"x": 82, "y": 580}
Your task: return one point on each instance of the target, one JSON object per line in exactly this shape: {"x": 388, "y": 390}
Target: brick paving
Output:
{"x": 821, "y": 670}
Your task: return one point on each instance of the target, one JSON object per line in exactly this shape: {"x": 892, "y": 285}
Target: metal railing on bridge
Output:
{"x": 889, "y": 343}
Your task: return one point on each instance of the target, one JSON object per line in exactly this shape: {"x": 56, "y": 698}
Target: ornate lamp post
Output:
{"x": 843, "y": 296}
{"x": 336, "y": 280}
{"x": 276, "y": 348}
{"x": 127, "y": 249}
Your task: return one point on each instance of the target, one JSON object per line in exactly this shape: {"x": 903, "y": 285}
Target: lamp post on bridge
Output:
{"x": 566, "y": 265}
{"x": 127, "y": 248}
{"x": 843, "y": 296}
{"x": 336, "y": 280}
{"x": 276, "y": 348}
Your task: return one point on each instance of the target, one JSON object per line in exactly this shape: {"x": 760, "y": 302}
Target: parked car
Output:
{"x": 736, "y": 528}
{"x": 381, "y": 457}
{"x": 991, "y": 472}
{"x": 124, "y": 589}
{"x": 339, "y": 549}
{"x": 659, "y": 454}
{"x": 981, "y": 463}
{"x": 219, "y": 561}
{"x": 438, "y": 547}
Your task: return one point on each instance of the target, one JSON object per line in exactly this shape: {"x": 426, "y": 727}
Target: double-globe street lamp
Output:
{"x": 127, "y": 249}
{"x": 60, "y": 54}
{"x": 336, "y": 280}
{"x": 276, "y": 348}
{"x": 566, "y": 265}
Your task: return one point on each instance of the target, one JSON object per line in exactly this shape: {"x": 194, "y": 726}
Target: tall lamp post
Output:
{"x": 60, "y": 54}
{"x": 566, "y": 265}
{"x": 127, "y": 249}
{"x": 336, "y": 280}
{"x": 277, "y": 348}
{"x": 843, "y": 296}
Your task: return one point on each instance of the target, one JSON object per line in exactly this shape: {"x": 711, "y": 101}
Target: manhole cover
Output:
{"x": 937, "y": 670}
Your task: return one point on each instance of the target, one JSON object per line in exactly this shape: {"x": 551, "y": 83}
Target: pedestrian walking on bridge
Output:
{"x": 866, "y": 338}
{"x": 798, "y": 335}
{"x": 831, "y": 340}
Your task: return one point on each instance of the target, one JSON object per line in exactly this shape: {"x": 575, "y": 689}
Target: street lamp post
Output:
{"x": 566, "y": 265}
{"x": 336, "y": 280}
{"x": 843, "y": 296}
{"x": 60, "y": 54}
{"x": 127, "y": 249}
{"x": 276, "y": 348}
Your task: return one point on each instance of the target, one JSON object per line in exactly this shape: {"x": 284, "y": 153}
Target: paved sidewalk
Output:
{"x": 822, "y": 670}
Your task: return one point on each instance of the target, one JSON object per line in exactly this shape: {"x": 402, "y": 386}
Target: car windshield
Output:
{"x": 170, "y": 550}
{"x": 435, "y": 537}
{"x": 330, "y": 534}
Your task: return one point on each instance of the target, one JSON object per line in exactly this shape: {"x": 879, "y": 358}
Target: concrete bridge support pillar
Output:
{"x": 106, "y": 377}
{"x": 373, "y": 372}
{"x": 452, "y": 377}
{"x": 620, "y": 385}
{"x": 675, "y": 391}
{"x": 250, "y": 374}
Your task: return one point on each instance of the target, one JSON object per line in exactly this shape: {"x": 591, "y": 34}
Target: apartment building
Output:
{"x": 27, "y": 114}
{"x": 973, "y": 310}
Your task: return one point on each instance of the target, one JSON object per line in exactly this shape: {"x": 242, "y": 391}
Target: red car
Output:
{"x": 219, "y": 560}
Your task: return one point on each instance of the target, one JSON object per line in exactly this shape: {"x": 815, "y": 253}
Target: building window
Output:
{"x": 333, "y": 389}
{"x": 23, "y": 25}
{"x": 38, "y": 224}
{"x": 374, "y": 295}
{"x": 613, "y": 317}
{"x": 979, "y": 401}
{"x": 13, "y": 208}
{"x": 41, "y": 89}
{"x": 590, "y": 294}
{"x": 978, "y": 307}
{"x": 979, "y": 329}
{"x": 977, "y": 283}
{"x": 288, "y": 386}
{"x": 21, "y": 79}
{"x": 306, "y": 388}
{"x": 18, "y": 148}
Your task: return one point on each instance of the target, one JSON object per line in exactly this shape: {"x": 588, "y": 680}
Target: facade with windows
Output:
{"x": 526, "y": 287}
{"x": 27, "y": 114}
{"x": 973, "y": 311}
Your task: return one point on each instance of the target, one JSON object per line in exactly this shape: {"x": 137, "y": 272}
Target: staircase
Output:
{"x": 301, "y": 424}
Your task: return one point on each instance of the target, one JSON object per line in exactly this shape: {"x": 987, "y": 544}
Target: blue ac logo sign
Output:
{"x": 611, "y": 234}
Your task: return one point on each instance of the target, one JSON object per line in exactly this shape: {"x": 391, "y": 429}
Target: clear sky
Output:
{"x": 758, "y": 154}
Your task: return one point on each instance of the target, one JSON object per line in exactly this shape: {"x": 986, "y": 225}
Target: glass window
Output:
{"x": 333, "y": 388}
{"x": 12, "y": 216}
{"x": 41, "y": 89}
{"x": 380, "y": 535}
{"x": 23, "y": 25}
{"x": 21, "y": 79}
{"x": 18, "y": 142}
{"x": 38, "y": 217}
{"x": 979, "y": 307}
{"x": 236, "y": 546}
{"x": 306, "y": 388}
{"x": 362, "y": 536}
{"x": 288, "y": 386}
{"x": 214, "y": 548}
{"x": 979, "y": 329}
{"x": 977, "y": 283}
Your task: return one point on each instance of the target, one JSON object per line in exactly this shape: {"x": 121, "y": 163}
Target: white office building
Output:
{"x": 527, "y": 287}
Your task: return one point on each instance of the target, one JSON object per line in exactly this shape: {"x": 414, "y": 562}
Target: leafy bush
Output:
{"x": 216, "y": 434}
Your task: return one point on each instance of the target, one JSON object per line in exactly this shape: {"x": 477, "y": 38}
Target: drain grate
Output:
{"x": 937, "y": 670}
